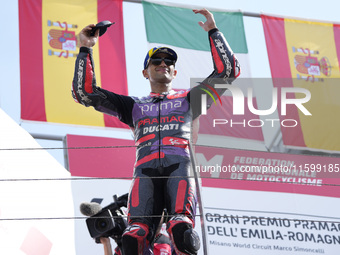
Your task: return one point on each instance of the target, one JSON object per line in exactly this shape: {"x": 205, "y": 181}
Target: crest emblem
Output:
{"x": 309, "y": 66}
{"x": 62, "y": 39}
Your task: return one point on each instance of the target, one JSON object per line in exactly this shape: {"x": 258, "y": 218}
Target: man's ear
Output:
{"x": 175, "y": 73}
{"x": 145, "y": 74}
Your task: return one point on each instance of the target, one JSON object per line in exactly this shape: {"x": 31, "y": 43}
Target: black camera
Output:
{"x": 110, "y": 221}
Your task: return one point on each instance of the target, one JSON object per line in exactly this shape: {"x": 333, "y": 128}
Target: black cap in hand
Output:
{"x": 102, "y": 26}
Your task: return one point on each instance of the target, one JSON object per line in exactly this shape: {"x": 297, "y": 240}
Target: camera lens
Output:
{"x": 102, "y": 225}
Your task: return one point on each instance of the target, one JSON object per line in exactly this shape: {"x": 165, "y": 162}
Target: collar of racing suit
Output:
{"x": 163, "y": 94}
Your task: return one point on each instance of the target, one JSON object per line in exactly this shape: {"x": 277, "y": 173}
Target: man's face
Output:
{"x": 161, "y": 72}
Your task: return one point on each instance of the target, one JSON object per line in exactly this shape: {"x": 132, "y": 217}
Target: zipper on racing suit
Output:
{"x": 159, "y": 130}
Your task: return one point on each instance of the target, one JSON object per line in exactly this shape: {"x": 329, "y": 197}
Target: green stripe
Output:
{"x": 179, "y": 27}
{"x": 206, "y": 91}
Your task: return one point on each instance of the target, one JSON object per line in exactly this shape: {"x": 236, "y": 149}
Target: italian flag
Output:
{"x": 177, "y": 27}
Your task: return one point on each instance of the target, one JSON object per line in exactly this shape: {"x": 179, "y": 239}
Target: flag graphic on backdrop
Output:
{"x": 178, "y": 28}
{"x": 307, "y": 53}
{"x": 48, "y": 47}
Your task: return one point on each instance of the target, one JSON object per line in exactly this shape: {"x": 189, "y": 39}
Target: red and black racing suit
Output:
{"x": 162, "y": 125}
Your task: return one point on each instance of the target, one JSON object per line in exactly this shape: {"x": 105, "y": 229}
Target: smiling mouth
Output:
{"x": 163, "y": 70}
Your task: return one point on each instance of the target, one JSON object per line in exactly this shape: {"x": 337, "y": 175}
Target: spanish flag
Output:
{"x": 307, "y": 53}
{"x": 48, "y": 49}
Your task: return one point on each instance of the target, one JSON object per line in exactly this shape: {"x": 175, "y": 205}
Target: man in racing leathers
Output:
{"x": 162, "y": 124}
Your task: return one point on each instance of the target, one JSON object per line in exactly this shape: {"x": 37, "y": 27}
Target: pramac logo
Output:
{"x": 62, "y": 39}
{"x": 309, "y": 66}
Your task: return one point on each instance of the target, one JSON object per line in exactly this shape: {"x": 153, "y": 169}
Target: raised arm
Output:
{"x": 226, "y": 65}
{"x": 84, "y": 81}
{"x": 84, "y": 87}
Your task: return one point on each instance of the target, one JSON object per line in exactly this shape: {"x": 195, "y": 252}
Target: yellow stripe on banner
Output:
{"x": 62, "y": 21}
{"x": 315, "y": 67}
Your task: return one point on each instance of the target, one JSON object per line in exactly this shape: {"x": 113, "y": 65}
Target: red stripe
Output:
{"x": 112, "y": 54}
{"x": 274, "y": 31}
{"x": 336, "y": 29}
{"x": 149, "y": 157}
{"x": 181, "y": 192}
{"x": 135, "y": 193}
{"x": 145, "y": 138}
{"x": 218, "y": 96}
{"x": 31, "y": 60}
{"x": 88, "y": 76}
{"x": 217, "y": 60}
{"x": 275, "y": 36}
